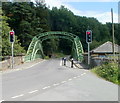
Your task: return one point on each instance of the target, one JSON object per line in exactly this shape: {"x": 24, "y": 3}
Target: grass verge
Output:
{"x": 108, "y": 71}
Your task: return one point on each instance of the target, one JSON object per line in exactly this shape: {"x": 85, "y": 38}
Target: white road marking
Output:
{"x": 63, "y": 81}
{"x": 56, "y": 84}
{"x": 9, "y": 71}
{"x": 69, "y": 79}
{"x": 78, "y": 76}
{"x": 60, "y": 63}
{"x": 46, "y": 87}
{"x": 35, "y": 64}
{"x": 18, "y": 96}
{"x": 86, "y": 70}
{"x": 74, "y": 66}
{"x": 33, "y": 91}
{"x": 74, "y": 77}
{"x": 83, "y": 74}
{"x": 1, "y": 100}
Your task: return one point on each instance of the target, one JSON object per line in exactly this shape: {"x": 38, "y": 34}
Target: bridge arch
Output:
{"x": 35, "y": 49}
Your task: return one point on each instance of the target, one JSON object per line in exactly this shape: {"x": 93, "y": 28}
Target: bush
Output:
{"x": 59, "y": 55}
{"x": 108, "y": 71}
{"x": 46, "y": 57}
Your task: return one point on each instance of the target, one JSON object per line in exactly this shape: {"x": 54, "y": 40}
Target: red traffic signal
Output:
{"x": 88, "y": 33}
{"x": 88, "y": 36}
{"x": 12, "y": 33}
{"x": 11, "y": 36}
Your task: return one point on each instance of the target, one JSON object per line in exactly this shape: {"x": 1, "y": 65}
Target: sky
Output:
{"x": 100, "y": 9}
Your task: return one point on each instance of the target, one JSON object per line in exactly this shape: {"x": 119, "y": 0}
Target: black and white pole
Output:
{"x": 88, "y": 53}
{"x": 12, "y": 47}
{"x": 89, "y": 40}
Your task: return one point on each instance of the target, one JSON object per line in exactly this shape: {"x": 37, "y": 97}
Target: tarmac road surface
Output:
{"x": 50, "y": 81}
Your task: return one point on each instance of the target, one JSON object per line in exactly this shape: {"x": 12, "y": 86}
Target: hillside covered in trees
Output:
{"x": 28, "y": 19}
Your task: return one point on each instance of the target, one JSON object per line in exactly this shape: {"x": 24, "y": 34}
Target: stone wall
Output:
{"x": 6, "y": 64}
{"x": 97, "y": 61}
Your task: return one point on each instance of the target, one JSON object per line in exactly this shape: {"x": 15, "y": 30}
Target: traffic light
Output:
{"x": 88, "y": 36}
{"x": 11, "y": 36}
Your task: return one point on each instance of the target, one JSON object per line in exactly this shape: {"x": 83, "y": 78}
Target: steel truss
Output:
{"x": 35, "y": 49}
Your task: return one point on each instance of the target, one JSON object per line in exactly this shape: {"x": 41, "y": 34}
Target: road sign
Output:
{"x": 88, "y": 36}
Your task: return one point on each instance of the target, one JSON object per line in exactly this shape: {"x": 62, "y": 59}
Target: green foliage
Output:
{"x": 26, "y": 19}
{"x": 95, "y": 44}
{"x": 0, "y": 33}
{"x": 29, "y": 19}
{"x": 46, "y": 57}
{"x": 6, "y": 45}
{"x": 116, "y": 33}
{"x": 59, "y": 55}
{"x": 63, "y": 19}
{"x": 108, "y": 71}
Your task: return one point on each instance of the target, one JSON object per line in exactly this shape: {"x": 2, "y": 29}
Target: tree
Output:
{"x": 27, "y": 20}
{"x": 6, "y": 45}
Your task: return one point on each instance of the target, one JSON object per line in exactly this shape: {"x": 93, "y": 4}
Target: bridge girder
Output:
{"x": 35, "y": 49}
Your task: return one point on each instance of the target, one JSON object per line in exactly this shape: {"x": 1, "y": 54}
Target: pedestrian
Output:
{"x": 65, "y": 61}
{"x": 72, "y": 63}
{"x": 62, "y": 60}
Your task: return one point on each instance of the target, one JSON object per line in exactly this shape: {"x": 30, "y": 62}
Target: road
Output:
{"x": 50, "y": 81}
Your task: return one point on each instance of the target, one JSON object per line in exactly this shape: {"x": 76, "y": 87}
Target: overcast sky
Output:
{"x": 100, "y": 9}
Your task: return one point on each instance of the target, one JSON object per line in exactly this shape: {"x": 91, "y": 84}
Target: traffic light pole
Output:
{"x": 88, "y": 53}
{"x": 89, "y": 40}
{"x": 12, "y": 65}
{"x": 11, "y": 33}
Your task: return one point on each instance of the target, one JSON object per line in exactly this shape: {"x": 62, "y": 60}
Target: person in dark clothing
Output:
{"x": 50, "y": 55}
{"x": 64, "y": 61}
{"x": 72, "y": 63}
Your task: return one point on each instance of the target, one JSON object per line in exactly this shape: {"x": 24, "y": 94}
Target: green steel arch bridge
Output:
{"x": 35, "y": 49}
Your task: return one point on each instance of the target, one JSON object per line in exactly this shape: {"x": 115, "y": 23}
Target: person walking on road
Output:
{"x": 72, "y": 63}
{"x": 65, "y": 61}
{"x": 62, "y": 60}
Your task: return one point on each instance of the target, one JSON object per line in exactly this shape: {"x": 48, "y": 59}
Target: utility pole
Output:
{"x": 113, "y": 43}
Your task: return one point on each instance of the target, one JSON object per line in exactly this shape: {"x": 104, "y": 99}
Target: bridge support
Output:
{"x": 35, "y": 49}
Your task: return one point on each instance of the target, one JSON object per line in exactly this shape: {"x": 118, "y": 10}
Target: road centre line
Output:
{"x": 18, "y": 96}
{"x": 56, "y": 84}
{"x": 46, "y": 87}
{"x": 83, "y": 74}
{"x": 69, "y": 79}
{"x": 74, "y": 77}
{"x": 33, "y": 91}
{"x": 63, "y": 81}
